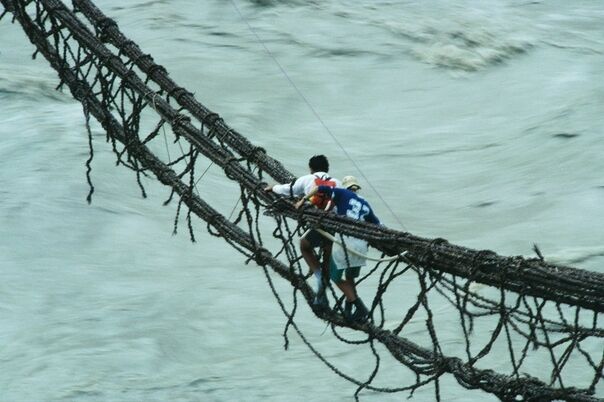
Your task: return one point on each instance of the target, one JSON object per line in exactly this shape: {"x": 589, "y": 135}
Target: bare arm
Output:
{"x": 308, "y": 196}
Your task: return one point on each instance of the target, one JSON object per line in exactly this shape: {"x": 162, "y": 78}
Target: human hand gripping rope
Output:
{"x": 332, "y": 238}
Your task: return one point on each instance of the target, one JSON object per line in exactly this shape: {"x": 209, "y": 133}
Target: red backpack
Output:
{"x": 321, "y": 200}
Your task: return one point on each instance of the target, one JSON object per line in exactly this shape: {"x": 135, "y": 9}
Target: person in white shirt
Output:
{"x": 319, "y": 168}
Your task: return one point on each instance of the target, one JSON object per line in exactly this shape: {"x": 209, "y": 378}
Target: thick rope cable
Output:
{"x": 582, "y": 287}
{"x": 353, "y": 251}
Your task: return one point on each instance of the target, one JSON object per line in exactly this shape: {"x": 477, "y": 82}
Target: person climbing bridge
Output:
{"x": 347, "y": 257}
{"x": 319, "y": 168}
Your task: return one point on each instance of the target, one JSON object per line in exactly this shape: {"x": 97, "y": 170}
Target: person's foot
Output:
{"x": 320, "y": 302}
{"x": 347, "y": 311}
{"x": 361, "y": 313}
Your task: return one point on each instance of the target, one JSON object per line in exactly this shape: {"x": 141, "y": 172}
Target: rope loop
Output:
{"x": 254, "y": 155}
{"x": 261, "y": 256}
{"x": 155, "y": 67}
{"x": 211, "y": 119}
{"x": 103, "y": 26}
{"x": 180, "y": 120}
{"x": 230, "y": 167}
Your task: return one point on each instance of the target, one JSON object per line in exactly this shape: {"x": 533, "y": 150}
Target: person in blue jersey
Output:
{"x": 347, "y": 258}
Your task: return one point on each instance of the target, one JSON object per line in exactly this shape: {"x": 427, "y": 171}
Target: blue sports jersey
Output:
{"x": 350, "y": 204}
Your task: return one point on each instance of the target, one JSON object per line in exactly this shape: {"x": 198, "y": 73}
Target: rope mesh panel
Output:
{"x": 536, "y": 314}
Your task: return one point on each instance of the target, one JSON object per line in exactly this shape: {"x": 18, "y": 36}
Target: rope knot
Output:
{"x": 103, "y": 27}
{"x": 155, "y": 68}
{"x": 230, "y": 168}
{"x": 253, "y": 157}
{"x": 261, "y": 256}
{"x": 428, "y": 255}
{"x": 211, "y": 119}
{"x": 180, "y": 120}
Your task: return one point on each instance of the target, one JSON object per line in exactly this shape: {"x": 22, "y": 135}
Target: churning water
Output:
{"x": 480, "y": 122}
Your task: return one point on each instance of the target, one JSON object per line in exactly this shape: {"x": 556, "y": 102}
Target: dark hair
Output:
{"x": 318, "y": 163}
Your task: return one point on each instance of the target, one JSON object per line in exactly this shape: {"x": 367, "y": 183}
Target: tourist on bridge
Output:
{"x": 348, "y": 254}
{"x": 319, "y": 168}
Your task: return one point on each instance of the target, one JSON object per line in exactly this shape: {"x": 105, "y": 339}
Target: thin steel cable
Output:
{"x": 316, "y": 114}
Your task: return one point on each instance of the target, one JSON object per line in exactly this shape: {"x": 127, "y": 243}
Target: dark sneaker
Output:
{"x": 321, "y": 301}
{"x": 361, "y": 313}
{"x": 347, "y": 311}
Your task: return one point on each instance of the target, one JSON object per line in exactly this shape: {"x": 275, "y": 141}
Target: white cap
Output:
{"x": 350, "y": 181}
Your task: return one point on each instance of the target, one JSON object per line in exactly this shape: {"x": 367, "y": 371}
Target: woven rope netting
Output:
{"x": 544, "y": 334}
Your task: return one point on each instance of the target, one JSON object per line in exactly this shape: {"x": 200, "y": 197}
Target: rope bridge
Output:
{"x": 542, "y": 318}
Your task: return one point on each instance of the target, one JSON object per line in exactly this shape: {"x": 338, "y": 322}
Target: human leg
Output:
{"x": 326, "y": 247}
{"x": 347, "y": 287}
{"x": 306, "y": 248}
{"x": 361, "y": 313}
{"x": 307, "y": 245}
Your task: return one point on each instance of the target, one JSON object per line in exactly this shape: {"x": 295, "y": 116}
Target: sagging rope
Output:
{"x": 328, "y": 236}
{"x": 531, "y": 324}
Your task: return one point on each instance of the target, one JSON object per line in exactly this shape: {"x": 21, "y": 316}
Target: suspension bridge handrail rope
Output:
{"x": 534, "y": 276}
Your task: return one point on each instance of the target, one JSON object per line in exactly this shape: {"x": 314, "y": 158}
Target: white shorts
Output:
{"x": 351, "y": 243}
